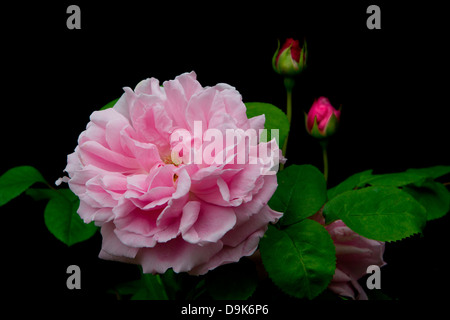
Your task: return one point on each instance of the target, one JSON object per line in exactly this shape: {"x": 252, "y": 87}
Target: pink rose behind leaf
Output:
{"x": 354, "y": 254}
{"x": 155, "y": 208}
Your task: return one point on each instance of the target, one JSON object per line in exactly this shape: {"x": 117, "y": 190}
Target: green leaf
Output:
{"x": 275, "y": 119}
{"x": 62, "y": 220}
{"x": 110, "y": 104}
{"x": 300, "y": 259}
{"x": 148, "y": 287}
{"x": 41, "y": 194}
{"x": 396, "y": 179}
{"x": 173, "y": 283}
{"x": 16, "y": 180}
{"x": 152, "y": 288}
{"x": 127, "y": 288}
{"x": 431, "y": 172}
{"x": 379, "y": 213}
{"x": 234, "y": 281}
{"x": 197, "y": 292}
{"x": 355, "y": 181}
{"x": 301, "y": 193}
{"x": 433, "y": 196}
{"x": 410, "y": 176}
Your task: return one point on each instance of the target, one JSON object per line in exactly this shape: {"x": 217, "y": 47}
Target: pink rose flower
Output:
{"x": 156, "y": 206}
{"x": 322, "y": 119}
{"x": 354, "y": 254}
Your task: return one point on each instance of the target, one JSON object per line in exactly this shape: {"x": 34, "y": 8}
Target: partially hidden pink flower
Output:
{"x": 322, "y": 119}
{"x": 155, "y": 206}
{"x": 354, "y": 254}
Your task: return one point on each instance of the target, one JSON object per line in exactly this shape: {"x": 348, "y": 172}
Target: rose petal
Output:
{"x": 230, "y": 254}
{"x": 177, "y": 254}
{"x": 112, "y": 246}
{"x": 212, "y": 223}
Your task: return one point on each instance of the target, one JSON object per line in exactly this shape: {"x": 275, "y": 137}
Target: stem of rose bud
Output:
{"x": 289, "y": 116}
{"x": 289, "y": 84}
{"x": 324, "y": 143}
{"x": 289, "y": 106}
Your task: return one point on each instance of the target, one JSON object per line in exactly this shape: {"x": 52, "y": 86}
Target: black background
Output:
{"x": 392, "y": 85}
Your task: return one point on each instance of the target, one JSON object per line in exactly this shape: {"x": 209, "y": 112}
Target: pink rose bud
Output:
{"x": 290, "y": 59}
{"x": 322, "y": 119}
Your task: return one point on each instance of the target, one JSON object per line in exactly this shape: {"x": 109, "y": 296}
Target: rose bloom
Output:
{"x": 162, "y": 211}
{"x": 354, "y": 254}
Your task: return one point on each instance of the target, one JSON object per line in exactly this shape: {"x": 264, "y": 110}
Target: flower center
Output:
{"x": 173, "y": 158}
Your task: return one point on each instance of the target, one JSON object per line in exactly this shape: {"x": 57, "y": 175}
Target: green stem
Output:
{"x": 289, "y": 116}
{"x": 324, "y": 144}
{"x": 289, "y": 105}
{"x": 289, "y": 84}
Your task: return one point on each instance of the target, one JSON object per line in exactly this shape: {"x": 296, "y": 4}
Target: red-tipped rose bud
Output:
{"x": 322, "y": 119}
{"x": 290, "y": 59}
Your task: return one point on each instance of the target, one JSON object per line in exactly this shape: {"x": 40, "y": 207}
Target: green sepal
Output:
{"x": 332, "y": 125}
{"x": 274, "y": 58}
{"x": 305, "y": 50}
{"x": 286, "y": 65}
{"x": 315, "y": 132}
{"x": 303, "y": 56}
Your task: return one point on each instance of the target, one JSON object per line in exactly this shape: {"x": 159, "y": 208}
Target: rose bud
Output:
{"x": 290, "y": 59}
{"x": 322, "y": 119}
